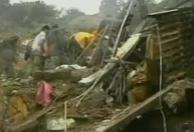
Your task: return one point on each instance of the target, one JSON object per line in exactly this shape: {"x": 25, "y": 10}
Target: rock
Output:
{"x": 109, "y": 101}
{"x": 176, "y": 99}
{"x": 29, "y": 80}
{"x": 101, "y": 129}
{"x": 59, "y": 123}
{"x": 76, "y": 67}
{"x": 17, "y": 79}
{"x": 76, "y": 75}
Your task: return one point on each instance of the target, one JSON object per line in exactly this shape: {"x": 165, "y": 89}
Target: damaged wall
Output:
{"x": 175, "y": 35}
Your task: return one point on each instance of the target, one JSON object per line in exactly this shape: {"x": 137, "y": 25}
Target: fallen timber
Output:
{"x": 122, "y": 53}
{"x": 130, "y": 113}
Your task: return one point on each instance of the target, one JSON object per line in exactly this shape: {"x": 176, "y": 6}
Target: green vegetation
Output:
{"x": 26, "y": 18}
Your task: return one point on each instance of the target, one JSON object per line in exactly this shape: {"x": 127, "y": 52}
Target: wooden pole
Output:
{"x": 131, "y": 4}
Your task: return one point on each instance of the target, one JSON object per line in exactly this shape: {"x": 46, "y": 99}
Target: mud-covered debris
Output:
{"x": 176, "y": 99}
{"x": 60, "y": 123}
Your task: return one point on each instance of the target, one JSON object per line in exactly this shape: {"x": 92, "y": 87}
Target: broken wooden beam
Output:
{"x": 122, "y": 53}
{"x": 130, "y": 113}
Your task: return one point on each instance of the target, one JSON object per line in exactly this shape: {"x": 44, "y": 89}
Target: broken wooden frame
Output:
{"x": 122, "y": 53}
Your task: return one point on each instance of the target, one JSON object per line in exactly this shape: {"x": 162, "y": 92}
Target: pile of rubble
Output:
{"x": 147, "y": 67}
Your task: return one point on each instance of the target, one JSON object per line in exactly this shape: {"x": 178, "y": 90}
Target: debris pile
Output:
{"x": 151, "y": 65}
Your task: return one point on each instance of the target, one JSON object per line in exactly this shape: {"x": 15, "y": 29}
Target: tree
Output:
{"x": 72, "y": 14}
{"x": 4, "y": 5}
{"x": 16, "y": 14}
{"x": 111, "y": 7}
{"x": 27, "y": 13}
{"x": 41, "y": 12}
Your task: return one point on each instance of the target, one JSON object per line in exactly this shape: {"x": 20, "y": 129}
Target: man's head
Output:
{"x": 45, "y": 28}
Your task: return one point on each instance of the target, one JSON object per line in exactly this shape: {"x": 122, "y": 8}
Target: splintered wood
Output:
{"x": 176, "y": 35}
{"x": 122, "y": 53}
{"x": 131, "y": 112}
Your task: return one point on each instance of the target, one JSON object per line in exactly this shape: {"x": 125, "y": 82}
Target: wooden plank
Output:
{"x": 130, "y": 113}
{"x": 122, "y": 53}
{"x": 129, "y": 45}
{"x": 163, "y": 12}
{"x": 29, "y": 122}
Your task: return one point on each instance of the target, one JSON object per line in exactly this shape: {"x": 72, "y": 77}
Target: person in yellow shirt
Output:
{"x": 84, "y": 39}
{"x": 79, "y": 42}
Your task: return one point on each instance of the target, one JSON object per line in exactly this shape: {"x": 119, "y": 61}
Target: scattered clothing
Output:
{"x": 45, "y": 94}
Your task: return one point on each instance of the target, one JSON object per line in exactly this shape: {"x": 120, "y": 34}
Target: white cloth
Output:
{"x": 39, "y": 42}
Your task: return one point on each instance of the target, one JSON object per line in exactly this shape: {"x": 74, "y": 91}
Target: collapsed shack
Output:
{"x": 168, "y": 59}
{"x": 154, "y": 63}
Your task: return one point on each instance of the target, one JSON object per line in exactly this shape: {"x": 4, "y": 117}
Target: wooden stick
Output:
{"x": 122, "y": 53}
{"x": 121, "y": 28}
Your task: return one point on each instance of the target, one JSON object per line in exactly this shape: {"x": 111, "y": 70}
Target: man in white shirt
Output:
{"x": 39, "y": 49}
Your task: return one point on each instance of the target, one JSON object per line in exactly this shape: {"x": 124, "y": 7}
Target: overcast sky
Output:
{"x": 87, "y": 6}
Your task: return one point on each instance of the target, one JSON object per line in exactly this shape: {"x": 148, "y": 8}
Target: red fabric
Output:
{"x": 45, "y": 93}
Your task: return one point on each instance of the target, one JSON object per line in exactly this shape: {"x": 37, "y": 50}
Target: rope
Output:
{"x": 161, "y": 80}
